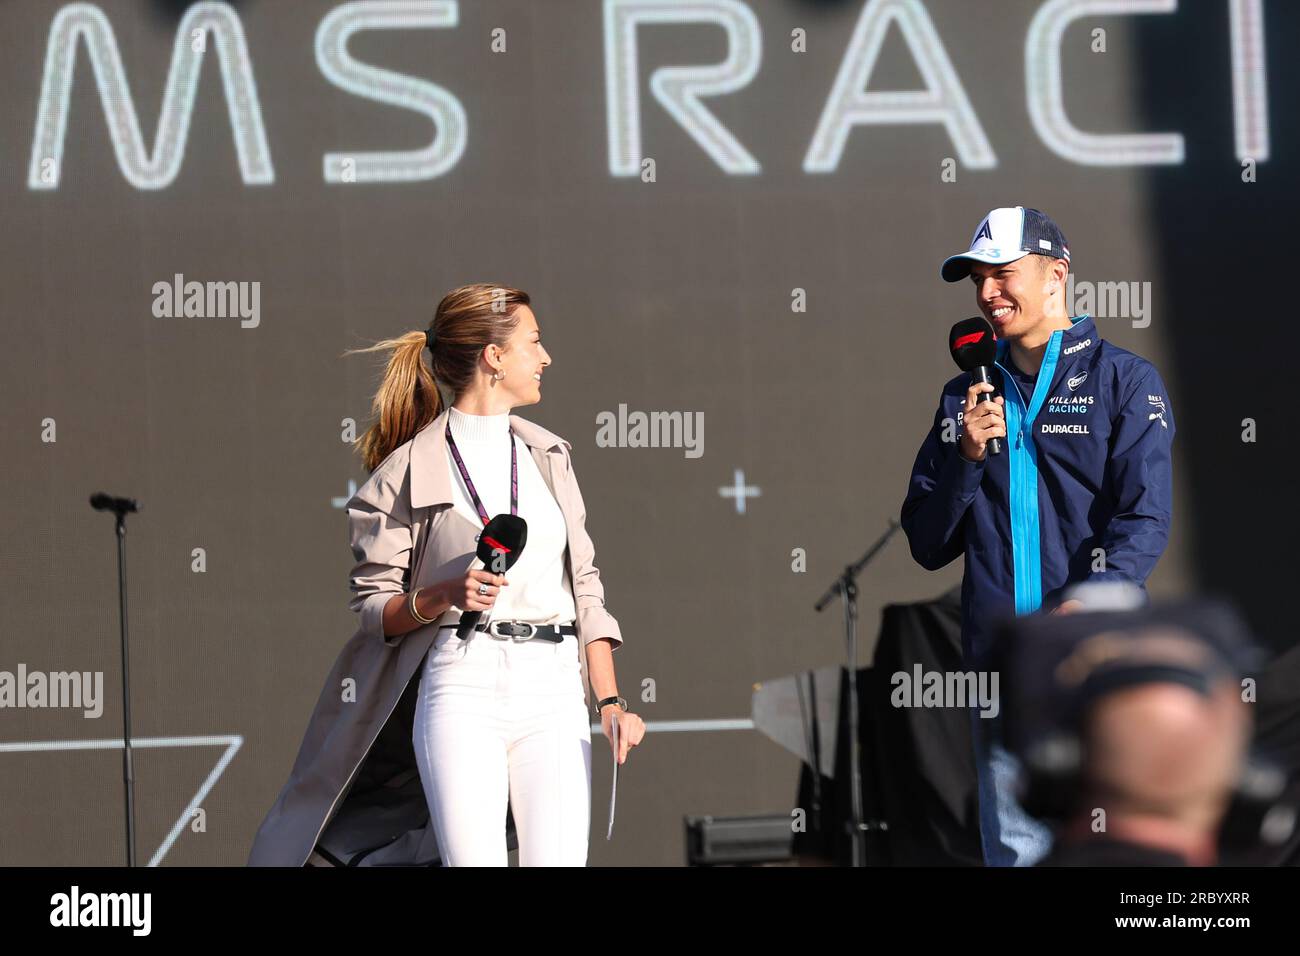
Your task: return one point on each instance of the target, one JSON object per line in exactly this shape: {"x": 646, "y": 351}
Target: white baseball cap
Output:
{"x": 1007, "y": 234}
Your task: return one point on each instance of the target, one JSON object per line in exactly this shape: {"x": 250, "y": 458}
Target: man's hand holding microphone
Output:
{"x": 973, "y": 346}
{"x": 981, "y": 421}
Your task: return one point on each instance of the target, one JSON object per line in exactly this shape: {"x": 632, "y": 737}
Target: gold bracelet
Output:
{"x": 410, "y": 606}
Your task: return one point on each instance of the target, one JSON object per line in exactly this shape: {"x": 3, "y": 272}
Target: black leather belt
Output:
{"x": 523, "y": 631}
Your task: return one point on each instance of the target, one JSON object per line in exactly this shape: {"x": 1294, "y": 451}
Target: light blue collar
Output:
{"x": 1073, "y": 331}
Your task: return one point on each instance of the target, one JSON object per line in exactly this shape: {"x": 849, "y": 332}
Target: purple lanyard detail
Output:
{"x": 464, "y": 473}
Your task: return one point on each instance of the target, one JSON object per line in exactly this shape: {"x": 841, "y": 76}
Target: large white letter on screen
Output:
{"x": 942, "y": 101}
{"x": 677, "y": 88}
{"x": 83, "y": 20}
{"x": 1047, "y": 104}
{"x": 1249, "y": 79}
{"x": 385, "y": 86}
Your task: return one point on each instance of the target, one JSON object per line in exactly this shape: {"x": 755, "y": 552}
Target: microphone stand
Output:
{"x": 120, "y": 507}
{"x": 847, "y": 585}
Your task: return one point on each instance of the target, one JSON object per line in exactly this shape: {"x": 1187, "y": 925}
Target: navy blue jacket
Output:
{"x": 1082, "y": 489}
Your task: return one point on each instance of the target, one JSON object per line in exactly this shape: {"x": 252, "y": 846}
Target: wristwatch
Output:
{"x": 600, "y": 705}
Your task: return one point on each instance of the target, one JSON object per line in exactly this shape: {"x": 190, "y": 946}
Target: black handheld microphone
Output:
{"x": 974, "y": 347}
{"x": 499, "y": 547}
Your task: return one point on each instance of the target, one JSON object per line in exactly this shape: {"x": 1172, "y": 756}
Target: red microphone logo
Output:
{"x": 496, "y": 545}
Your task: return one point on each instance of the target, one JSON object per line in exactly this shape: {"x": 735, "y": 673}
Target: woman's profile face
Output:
{"x": 523, "y": 361}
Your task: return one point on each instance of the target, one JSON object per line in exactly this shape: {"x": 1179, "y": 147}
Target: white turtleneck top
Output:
{"x": 539, "y": 591}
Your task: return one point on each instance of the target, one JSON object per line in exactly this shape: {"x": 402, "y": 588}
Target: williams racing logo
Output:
{"x": 1069, "y": 404}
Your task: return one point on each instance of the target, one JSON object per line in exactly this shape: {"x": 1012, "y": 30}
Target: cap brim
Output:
{"x": 955, "y": 268}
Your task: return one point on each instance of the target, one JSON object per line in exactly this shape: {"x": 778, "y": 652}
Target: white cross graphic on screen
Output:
{"x": 740, "y": 491}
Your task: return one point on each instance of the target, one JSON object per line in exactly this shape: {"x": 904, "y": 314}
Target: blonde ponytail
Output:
{"x": 468, "y": 319}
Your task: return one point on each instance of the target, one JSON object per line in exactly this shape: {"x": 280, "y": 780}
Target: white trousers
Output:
{"x": 500, "y": 719}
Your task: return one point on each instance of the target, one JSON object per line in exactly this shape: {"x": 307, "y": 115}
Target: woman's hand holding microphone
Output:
{"x": 473, "y": 591}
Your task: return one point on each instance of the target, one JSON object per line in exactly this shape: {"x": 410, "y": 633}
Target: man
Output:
{"x": 1161, "y": 760}
{"x": 1132, "y": 725}
{"x": 1082, "y": 490}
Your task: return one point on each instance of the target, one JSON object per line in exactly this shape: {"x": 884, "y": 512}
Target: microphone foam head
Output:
{"x": 502, "y": 540}
{"x": 973, "y": 343}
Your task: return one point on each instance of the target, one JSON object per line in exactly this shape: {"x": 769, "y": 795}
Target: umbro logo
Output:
{"x": 1076, "y": 381}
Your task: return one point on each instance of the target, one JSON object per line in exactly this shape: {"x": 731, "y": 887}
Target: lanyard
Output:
{"x": 514, "y": 475}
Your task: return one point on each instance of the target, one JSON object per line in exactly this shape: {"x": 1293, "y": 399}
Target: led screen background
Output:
{"x": 788, "y": 295}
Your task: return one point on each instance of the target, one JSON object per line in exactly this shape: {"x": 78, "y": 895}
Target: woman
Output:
{"x": 418, "y": 738}
{"x": 501, "y": 712}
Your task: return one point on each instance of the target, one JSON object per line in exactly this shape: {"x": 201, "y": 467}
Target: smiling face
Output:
{"x": 522, "y": 361}
{"x": 1014, "y": 296}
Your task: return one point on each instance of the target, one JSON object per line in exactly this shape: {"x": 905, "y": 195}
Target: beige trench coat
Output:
{"x": 368, "y": 798}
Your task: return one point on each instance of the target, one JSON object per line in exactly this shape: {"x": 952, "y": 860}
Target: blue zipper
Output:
{"x": 1026, "y": 539}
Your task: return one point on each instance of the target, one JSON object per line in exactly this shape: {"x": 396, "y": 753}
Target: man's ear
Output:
{"x": 1057, "y": 269}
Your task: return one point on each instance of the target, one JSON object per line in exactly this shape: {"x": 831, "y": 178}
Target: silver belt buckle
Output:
{"x": 516, "y": 630}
